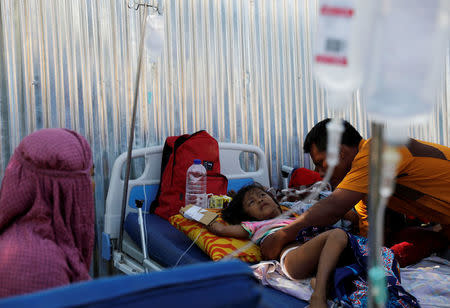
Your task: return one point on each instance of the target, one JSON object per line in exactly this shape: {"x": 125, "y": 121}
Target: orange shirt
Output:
{"x": 422, "y": 184}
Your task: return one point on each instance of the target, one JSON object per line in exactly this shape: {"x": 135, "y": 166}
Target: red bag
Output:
{"x": 179, "y": 153}
{"x": 303, "y": 176}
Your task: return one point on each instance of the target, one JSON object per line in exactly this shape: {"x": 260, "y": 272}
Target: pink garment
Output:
{"x": 259, "y": 230}
{"x": 46, "y": 213}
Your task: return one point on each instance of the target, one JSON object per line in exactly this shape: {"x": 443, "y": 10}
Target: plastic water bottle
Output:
{"x": 196, "y": 185}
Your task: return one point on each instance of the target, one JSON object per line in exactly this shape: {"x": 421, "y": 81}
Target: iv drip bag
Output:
{"x": 154, "y": 41}
{"x": 408, "y": 56}
{"x": 340, "y": 46}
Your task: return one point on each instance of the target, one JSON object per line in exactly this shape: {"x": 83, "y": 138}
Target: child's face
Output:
{"x": 259, "y": 205}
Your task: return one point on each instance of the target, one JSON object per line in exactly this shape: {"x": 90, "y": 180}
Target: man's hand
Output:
{"x": 273, "y": 244}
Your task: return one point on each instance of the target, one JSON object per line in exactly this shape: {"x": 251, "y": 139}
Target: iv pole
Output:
{"x": 133, "y": 120}
{"x": 375, "y": 270}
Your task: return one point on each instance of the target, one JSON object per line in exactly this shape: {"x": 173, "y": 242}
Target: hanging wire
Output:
{"x": 133, "y": 4}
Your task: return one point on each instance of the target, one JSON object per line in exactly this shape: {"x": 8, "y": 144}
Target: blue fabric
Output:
{"x": 106, "y": 246}
{"x": 275, "y": 298}
{"x": 356, "y": 295}
{"x": 165, "y": 244}
{"x": 212, "y": 284}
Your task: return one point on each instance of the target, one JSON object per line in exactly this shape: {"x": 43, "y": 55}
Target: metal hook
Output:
{"x": 135, "y": 5}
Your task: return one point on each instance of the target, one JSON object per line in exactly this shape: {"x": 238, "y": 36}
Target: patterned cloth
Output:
{"x": 259, "y": 230}
{"x": 216, "y": 247}
{"x": 46, "y": 213}
{"x": 350, "y": 281}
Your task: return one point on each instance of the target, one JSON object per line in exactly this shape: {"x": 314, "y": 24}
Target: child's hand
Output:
{"x": 215, "y": 227}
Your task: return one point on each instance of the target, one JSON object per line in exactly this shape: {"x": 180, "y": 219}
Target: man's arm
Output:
{"x": 352, "y": 216}
{"x": 325, "y": 212}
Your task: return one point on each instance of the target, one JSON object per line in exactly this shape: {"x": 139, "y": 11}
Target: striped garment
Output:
{"x": 259, "y": 230}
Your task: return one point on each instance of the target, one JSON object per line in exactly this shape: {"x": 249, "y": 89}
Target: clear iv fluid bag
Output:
{"x": 340, "y": 46}
{"x": 408, "y": 59}
{"x": 154, "y": 40}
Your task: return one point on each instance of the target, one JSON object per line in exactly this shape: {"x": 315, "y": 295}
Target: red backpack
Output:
{"x": 178, "y": 155}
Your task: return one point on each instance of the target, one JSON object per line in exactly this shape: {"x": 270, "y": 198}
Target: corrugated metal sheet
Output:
{"x": 239, "y": 69}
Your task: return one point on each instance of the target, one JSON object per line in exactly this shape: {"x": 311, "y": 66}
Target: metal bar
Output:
{"x": 375, "y": 167}
{"x": 133, "y": 122}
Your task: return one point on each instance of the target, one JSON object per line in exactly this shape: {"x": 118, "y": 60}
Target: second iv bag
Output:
{"x": 154, "y": 40}
{"x": 340, "y": 46}
{"x": 410, "y": 39}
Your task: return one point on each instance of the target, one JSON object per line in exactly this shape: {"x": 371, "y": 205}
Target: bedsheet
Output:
{"x": 428, "y": 281}
{"x": 271, "y": 274}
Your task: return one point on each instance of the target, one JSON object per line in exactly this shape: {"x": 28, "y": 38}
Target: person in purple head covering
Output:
{"x": 46, "y": 213}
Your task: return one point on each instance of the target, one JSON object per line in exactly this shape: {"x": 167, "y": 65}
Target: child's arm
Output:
{"x": 220, "y": 229}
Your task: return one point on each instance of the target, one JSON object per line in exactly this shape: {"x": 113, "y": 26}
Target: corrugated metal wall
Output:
{"x": 239, "y": 69}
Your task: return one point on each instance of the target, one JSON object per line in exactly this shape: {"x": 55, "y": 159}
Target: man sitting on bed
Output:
{"x": 422, "y": 189}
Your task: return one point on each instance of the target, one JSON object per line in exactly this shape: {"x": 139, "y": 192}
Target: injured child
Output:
{"x": 322, "y": 253}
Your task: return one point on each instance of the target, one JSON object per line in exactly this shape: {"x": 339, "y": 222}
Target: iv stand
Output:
{"x": 133, "y": 121}
{"x": 375, "y": 270}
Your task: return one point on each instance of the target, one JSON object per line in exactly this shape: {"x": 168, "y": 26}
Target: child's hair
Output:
{"x": 234, "y": 214}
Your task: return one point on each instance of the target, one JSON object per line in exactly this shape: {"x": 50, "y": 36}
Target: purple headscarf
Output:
{"x": 46, "y": 213}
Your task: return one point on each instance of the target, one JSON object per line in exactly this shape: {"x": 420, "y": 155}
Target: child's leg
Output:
{"x": 301, "y": 263}
{"x": 321, "y": 253}
{"x": 335, "y": 244}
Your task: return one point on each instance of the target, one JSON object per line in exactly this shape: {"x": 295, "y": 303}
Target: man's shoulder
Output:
{"x": 420, "y": 148}
{"x": 363, "y": 149}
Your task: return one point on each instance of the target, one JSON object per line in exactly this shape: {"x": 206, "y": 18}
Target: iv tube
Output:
{"x": 377, "y": 280}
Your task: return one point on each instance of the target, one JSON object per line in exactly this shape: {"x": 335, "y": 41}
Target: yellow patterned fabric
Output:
{"x": 216, "y": 247}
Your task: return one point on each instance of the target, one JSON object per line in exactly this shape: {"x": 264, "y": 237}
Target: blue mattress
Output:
{"x": 166, "y": 244}
{"x": 211, "y": 284}
{"x": 273, "y": 298}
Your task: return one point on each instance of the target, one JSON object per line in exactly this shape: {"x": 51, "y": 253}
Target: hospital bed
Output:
{"x": 166, "y": 245}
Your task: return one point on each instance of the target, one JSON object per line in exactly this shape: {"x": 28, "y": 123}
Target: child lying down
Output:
{"x": 322, "y": 253}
